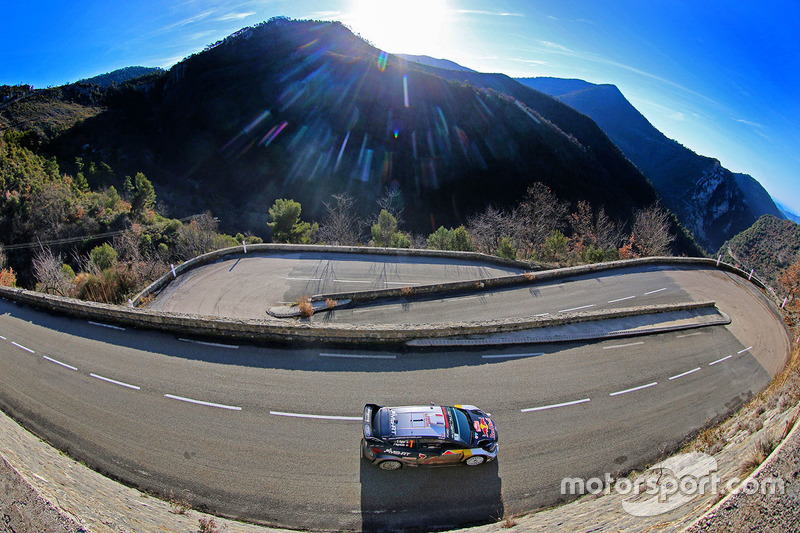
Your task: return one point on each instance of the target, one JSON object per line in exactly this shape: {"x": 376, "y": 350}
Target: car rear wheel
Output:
{"x": 475, "y": 460}
{"x": 389, "y": 465}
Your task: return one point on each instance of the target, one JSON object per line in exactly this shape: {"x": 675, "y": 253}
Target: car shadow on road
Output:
{"x": 430, "y": 499}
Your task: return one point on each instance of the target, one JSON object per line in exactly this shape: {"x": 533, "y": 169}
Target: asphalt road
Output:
{"x": 125, "y": 402}
{"x": 246, "y": 286}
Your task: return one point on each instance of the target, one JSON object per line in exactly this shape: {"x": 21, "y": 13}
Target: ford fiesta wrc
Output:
{"x": 431, "y": 435}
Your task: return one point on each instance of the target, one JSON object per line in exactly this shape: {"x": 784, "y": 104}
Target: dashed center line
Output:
{"x": 400, "y": 283}
{"x": 357, "y": 356}
{"x": 720, "y": 360}
{"x": 512, "y": 355}
{"x": 320, "y": 417}
{"x": 576, "y": 308}
{"x": 351, "y": 281}
{"x": 1, "y": 337}
{"x": 303, "y": 279}
{"x": 21, "y": 346}
{"x": 209, "y": 404}
{"x": 115, "y": 382}
{"x": 655, "y": 291}
{"x": 685, "y": 373}
{"x": 623, "y": 345}
{"x": 634, "y": 389}
{"x": 555, "y": 405}
{"x": 214, "y": 344}
{"x": 621, "y": 299}
{"x": 745, "y": 350}
{"x": 59, "y": 362}
{"x": 689, "y": 335}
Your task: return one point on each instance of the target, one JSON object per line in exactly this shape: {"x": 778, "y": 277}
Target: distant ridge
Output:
{"x": 712, "y": 202}
{"x": 433, "y": 62}
{"x": 121, "y": 76}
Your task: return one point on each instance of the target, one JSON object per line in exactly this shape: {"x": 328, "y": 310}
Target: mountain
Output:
{"x": 433, "y": 62}
{"x": 121, "y": 76}
{"x": 303, "y": 110}
{"x": 711, "y": 201}
{"x": 788, "y": 213}
{"x": 768, "y": 246}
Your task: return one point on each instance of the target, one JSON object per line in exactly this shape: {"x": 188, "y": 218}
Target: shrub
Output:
{"x": 305, "y": 306}
{"x": 8, "y": 278}
{"x": 103, "y": 256}
{"x": 506, "y": 249}
{"x": 330, "y": 303}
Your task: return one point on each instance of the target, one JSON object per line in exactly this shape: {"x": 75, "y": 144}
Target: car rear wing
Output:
{"x": 369, "y": 414}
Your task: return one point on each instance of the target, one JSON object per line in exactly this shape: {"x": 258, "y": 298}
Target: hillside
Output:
{"x": 768, "y": 246}
{"x": 433, "y": 62}
{"x": 305, "y": 109}
{"x": 711, "y": 201}
{"x": 121, "y": 76}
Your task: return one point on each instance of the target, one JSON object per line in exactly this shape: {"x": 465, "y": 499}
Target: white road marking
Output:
{"x": 462, "y": 298}
{"x": 745, "y": 350}
{"x": 720, "y": 360}
{"x": 303, "y": 279}
{"x": 1, "y": 337}
{"x": 106, "y": 325}
{"x": 542, "y": 314}
{"x": 685, "y": 374}
{"x": 623, "y": 345}
{"x": 640, "y": 387}
{"x": 321, "y": 417}
{"x": 553, "y": 406}
{"x": 214, "y": 344}
{"x": 351, "y": 281}
{"x": 689, "y": 335}
{"x": 400, "y": 283}
{"x": 200, "y": 402}
{"x": 21, "y": 346}
{"x": 59, "y": 363}
{"x": 655, "y": 291}
{"x": 576, "y": 308}
{"x": 621, "y": 299}
{"x": 510, "y": 355}
{"x": 115, "y": 382}
{"x": 357, "y": 356}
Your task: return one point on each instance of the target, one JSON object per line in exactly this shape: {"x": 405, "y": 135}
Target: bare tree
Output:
{"x": 391, "y": 202}
{"x": 488, "y": 229}
{"x": 197, "y": 237}
{"x": 607, "y": 233}
{"x": 341, "y": 226}
{"x": 537, "y": 217}
{"x": 47, "y": 269}
{"x": 651, "y": 236}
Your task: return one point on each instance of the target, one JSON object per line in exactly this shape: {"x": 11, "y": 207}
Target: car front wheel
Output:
{"x": 389, "y": 465}
{"x": 475, "y": 460}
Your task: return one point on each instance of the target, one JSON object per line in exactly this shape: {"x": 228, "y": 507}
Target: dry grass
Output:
{"x": 406, "y": 291}
{"x": 305, "y": 306}
{"x": 330, "y": 303}
{"x": 177, "y": 505}
{"x": 757, "y": 455}
{"x": 530, "y": 276}
{"x": 208, "y": 525}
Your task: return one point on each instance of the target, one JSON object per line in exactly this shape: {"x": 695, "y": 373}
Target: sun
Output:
{"x": 419, "y": 27}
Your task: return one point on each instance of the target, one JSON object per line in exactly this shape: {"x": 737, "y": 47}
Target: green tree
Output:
{"x": 439, "y": 239}
{"x": 461, "y": 240}
{"x": 141, "y": 192}
{"x": 555, "y": 246}
{"x": 400, "y": 240}
{"x": 103, "y": 256}
{"x": 506, "y": 249}
{"x": 286, "y": 225}
{"x": 384, "y": 229}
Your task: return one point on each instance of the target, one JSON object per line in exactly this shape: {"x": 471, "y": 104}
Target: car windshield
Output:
{"x": 462, "y": 431}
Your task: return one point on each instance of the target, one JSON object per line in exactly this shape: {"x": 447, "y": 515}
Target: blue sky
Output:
{"x": 721, "y": 77}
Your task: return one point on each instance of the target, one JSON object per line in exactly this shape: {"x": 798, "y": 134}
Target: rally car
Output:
{"x": 430, "y": 435}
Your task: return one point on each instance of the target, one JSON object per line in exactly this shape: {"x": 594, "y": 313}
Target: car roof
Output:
{"x": 417, "y": 421}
